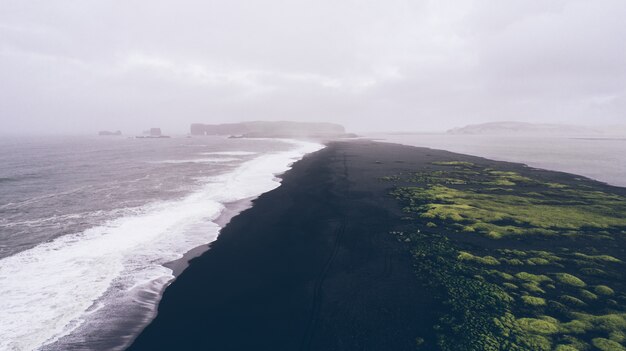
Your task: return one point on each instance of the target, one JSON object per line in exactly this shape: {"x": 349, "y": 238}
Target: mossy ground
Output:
{"x": 521, "y": 262}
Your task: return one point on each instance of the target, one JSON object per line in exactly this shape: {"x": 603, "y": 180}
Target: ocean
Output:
{"x": 88, "y": 225}
{"x": 602, "y": 159}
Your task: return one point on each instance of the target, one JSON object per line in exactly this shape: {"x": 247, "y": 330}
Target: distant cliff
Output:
{"x": 522, "y": 128}
{"x": 262, "y": 129}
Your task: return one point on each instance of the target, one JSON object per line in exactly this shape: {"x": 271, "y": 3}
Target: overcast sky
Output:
{"x": 69, "y": 66}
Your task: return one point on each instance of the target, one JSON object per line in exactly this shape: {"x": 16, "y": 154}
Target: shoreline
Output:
{"x": 230, "y": 211}
{"x": 312, "y": 265}
{"x": 278, "y": 281}
{"x": 582, "y": 156}
{"x": 128, "y": 304}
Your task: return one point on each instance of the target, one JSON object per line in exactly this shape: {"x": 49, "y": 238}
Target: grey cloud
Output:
{"x": 78, "y": 66}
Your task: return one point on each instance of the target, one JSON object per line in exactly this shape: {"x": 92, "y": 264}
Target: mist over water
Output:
{"x": 88, "y": 224}
{"x": 603, "y": 159}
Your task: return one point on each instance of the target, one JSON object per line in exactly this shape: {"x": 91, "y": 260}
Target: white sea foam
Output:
{"x": 230, "y": 153}
{"x": 61, "y": 287}
{"x": 202, "y": 160}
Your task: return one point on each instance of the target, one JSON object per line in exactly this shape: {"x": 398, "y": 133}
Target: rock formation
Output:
{"x": 282, "y": 129}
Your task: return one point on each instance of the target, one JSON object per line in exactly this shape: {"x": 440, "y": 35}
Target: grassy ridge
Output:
{"x": 473, "y": 227}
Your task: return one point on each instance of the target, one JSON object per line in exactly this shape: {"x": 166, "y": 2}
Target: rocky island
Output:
{"x": 273, "y": 129}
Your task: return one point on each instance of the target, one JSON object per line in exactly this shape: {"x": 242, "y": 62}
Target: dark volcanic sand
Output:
{"x": 311, "y": 266}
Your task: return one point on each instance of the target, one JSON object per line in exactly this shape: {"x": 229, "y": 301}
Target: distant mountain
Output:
{"x": 523, "y": 128}
{"x": 265, "y": 129}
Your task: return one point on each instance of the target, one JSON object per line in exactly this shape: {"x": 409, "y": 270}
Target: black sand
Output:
{"x": 311, "y": 266}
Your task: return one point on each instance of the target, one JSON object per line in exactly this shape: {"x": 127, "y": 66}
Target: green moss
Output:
{"x": 555, "y": 185}
{"x": 604, "y": 290}
{"x": 574, "y": 342}
{"x": 510, "y": 286}
{"x": 549, "y": 256}
{"x": 598, "y": 258}
{"x": 499, "y": 274}
{"x": 566, "y": 348}
{"x": 390, "y": 178}
{"x": 572, "y": 301}
{"x": 419, "y": 342}
{"x": 501, "y": 182}
{"x": 487, "y": 260}
{"x": 576, "y": 327}
{"x": 607, "y": 345}
{"x": 533, "y": 301}
{"x": 569, "y": 279}
{"x": 549, "y": 319}
{"x": 529, "y": 277}
{"x": 515, "y": 262}
{"x": 537, "y": 261}
{"x": 468, "y": 229}
{"x": 506, "y": 178}
{"x": 453, "y": 163}
{"x": 534, "y": 342}
{"x": 617, "y": 336}
{"x": 481, "y": 283}
{"x": 588, "y": 295}
{"x": 594, "y": 271}
{"x": 607, "y": 323}
{"x": 533, "y": 287}
{"x": 499, "y": 215}
{"x": 473, "y": 305}
{"x": 519, "y": 253}
{"x": 537, "y": 326}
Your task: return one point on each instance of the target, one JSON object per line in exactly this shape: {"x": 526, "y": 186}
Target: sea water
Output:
{"x": 602, "y": 159}
{"x": 88, "y": 225}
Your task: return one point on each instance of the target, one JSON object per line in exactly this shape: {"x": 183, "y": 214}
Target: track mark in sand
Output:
{"x": 317, "y": 291}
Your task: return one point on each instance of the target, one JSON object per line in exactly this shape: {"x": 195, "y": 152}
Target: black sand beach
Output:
{"x": 312, "y": 265}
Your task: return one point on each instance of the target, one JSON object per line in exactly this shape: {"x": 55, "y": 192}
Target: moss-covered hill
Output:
{"x": 519, "y": 261}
